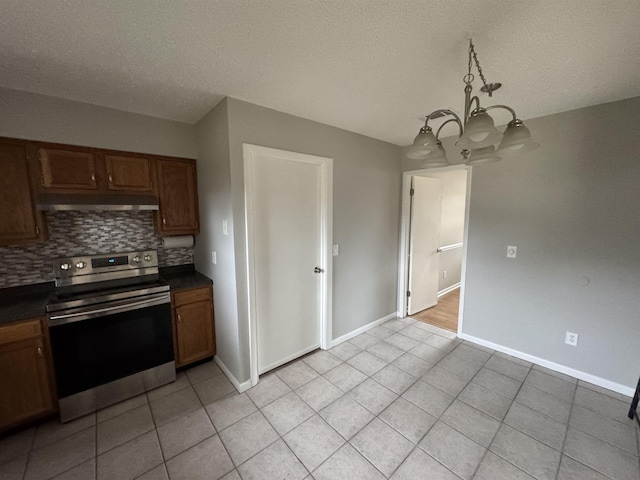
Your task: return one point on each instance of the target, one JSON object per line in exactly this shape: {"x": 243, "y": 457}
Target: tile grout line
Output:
{"x": 26, "y": 465}
{"x": 488, "y": 449}
{"x": 347, "y": 393}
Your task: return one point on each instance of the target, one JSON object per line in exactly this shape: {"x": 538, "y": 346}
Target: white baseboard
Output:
{"x": 240, "y": 387}
{"x": 449, "y": 289}
{"x": 288, "y": 358}
{"x": 587, "y": 377}
{"x": 358, "y": 331}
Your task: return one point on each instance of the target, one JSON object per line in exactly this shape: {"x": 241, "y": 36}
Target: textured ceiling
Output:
{"x": 369, "y": 66}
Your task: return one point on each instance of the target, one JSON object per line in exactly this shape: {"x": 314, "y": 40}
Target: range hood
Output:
{"x": 95, "y": 203}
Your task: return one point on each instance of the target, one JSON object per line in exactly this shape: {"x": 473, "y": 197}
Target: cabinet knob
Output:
{"x": 110, "y": 178}
{"x": 93, "y": 177}
{"x": 179, "y": 319}
{"x": 39, "y": 350}
{"x": 164, "y": 221}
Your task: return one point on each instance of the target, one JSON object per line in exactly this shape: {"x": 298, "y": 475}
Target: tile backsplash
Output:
{"x": 80, "y": 233}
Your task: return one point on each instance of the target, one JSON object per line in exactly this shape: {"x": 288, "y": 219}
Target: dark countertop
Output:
{"x": 29, "y": 301}
{"x": 184, "y": 276}
{"x": 22, "y": 303}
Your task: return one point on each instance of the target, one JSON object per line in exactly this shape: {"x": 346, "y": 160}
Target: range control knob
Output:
{"x": 147, "y": 258}
{"x": 136, "y": 259}
{"x": 65, "y": 266}
{"x": 81, "y": 265}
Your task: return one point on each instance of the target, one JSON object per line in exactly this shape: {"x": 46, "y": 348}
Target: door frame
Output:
{"x": 326, "y": 240}
{"x": 403, "y": 259}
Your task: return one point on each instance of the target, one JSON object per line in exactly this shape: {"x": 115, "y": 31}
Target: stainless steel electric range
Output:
{"x": 110, "y": 328}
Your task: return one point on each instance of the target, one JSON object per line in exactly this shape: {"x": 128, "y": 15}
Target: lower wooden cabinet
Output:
{"x": 193, "y": 321}
{"x": 25, "y": 374}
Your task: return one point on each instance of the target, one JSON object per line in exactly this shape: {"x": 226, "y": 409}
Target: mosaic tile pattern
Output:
{"x": 80, "y": 233}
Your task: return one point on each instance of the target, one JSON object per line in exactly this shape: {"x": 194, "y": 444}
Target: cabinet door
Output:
{"x": 24, "y": 381}
{"x": 178, "y": 196}
{"x": 194, "y": 331}
{"x": 128, "y": 173}
{"x": 19, "y": 222}
{"x": 67, "y": 169}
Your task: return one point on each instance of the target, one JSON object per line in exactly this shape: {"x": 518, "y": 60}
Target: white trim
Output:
{"x": 282, "y": 361}
{"x": 404, "y": 237}
{"x": 404, "y": 247}
{"x": 240, "y": 387}
{"x": 362, "y": 329}
{"x": 326, "y": 233}
{"x": 463, "y": 271}
{"x": 572, "y": 372}
{"x": 451, "y": 288}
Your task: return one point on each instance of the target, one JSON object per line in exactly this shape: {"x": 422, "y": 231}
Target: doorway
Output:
{"x": 432, "y": 254}
{"x": 288, "y": 214}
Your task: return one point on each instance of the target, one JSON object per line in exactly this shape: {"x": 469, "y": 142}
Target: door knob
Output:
{"x": 318, "y": 270}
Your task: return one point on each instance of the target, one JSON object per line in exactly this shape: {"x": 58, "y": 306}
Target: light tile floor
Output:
{"x": 404, "y": 401}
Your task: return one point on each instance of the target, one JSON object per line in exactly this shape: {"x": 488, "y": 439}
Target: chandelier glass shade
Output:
{"x": 478, "y": 138}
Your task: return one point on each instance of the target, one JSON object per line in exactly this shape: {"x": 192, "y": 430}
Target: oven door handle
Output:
{"x": 56, "y": 320}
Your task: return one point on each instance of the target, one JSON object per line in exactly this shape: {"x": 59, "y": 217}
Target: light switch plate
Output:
{"x": 225, "y": 229}
{"x": 336, "y": 250}
{"x": 512, "y": 251}
{"x": 214, "y": 259}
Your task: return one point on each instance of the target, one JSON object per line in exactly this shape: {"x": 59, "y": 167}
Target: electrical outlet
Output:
{"x": 512, "y": 251}
{"x": 214, "y": 259}
{"x": 336, "y": 250}
{"x": 444, "y": 274}
{"x": 571, "y": 338}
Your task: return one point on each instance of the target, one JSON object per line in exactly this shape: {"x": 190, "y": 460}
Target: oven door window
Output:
{"x": 99, "y": 350}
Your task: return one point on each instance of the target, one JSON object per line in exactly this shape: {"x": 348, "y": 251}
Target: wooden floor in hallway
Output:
{"x": 444, "y": 314}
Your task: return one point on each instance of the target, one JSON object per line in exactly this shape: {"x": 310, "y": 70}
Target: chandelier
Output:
{"x": 478, "y": 136}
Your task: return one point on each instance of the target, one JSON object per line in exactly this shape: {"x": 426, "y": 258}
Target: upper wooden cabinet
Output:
{"x": 25, "y": 374}
{"x": 178, "y": 197}
{"x": 20, "y": 222}
{"x": 128, "y": 173}
{"x": 67, "y": 169}
{"x": 72, "y": 170}
{"x": 31, "y": 172}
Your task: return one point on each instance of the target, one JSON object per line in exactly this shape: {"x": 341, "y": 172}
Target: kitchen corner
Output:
{"x": 118, "y": 227}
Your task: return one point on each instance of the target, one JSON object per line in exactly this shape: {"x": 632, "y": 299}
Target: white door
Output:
{"x": 424, "y": 240}
{"x": 285, "y": 230}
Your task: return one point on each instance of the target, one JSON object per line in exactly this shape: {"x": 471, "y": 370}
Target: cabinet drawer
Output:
{"x": 190, "y": 296}
{"x": 20, "y": 331}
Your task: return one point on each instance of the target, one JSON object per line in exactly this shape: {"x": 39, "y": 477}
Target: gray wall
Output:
{"x": 38, "y": 117}
{"x": 214, "y": 192}
{"x": 572, "y": 207}
{"x": 366, "y": 211}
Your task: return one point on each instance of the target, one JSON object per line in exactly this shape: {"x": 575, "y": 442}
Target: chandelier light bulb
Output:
{"x": 483, "y": 155}
{"x": 425, "y": 141}
{"x": 438, "y": 158}
{"x": 517, "y": 138}
{"x": 479, "y": 132}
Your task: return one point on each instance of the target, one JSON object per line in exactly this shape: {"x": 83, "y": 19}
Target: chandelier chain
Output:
{"x": 472, "y": 53}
